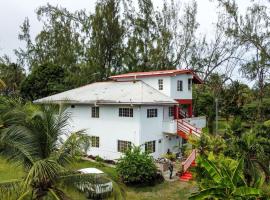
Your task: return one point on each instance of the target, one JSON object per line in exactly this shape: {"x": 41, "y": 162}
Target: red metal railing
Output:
{"x": 187, "y": 128}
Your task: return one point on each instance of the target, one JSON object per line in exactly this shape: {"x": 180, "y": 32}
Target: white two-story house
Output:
{"x": 150, "y": 109}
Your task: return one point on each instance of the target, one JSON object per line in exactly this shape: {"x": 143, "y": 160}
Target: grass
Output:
{"x": 164, "y": 191}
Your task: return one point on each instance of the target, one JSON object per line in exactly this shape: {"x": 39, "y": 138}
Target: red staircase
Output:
{"x": 184, "y": 130}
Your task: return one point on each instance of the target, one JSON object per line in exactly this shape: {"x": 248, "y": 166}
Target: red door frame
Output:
{"x": 181, "y": 102}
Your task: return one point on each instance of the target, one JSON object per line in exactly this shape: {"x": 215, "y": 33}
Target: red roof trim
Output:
{"x": 196, "y": 79}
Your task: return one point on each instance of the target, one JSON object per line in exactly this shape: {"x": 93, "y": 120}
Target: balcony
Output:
{"x": 198, "y": 122}
{"x": 169, "y": 126}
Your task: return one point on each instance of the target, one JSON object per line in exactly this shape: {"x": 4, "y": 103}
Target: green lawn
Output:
{"x": 164, "y": 191}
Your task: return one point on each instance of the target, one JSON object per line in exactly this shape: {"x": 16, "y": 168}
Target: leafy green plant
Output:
{"x": 99, "y": 159}
{"x": 236, "y": 126}
{"x": 137, "y": 167}
{"x": 171, "y": 156}
{"x": 224, "y": 182}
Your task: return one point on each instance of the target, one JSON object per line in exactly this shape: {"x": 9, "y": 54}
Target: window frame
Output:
{"x": 189, "y": 84}
{"x": 150, "y": 147}
{"x": 95, "y": 112}
{"x": 152, "y": 113}
{"x": 160, "y": 84}
{"x": 123, "y": 146}
{"x": 96, "y": 141}
{"x": 171, "y": 111}
{"x": 179, "y": 85}
{"x": 125, "y": 112}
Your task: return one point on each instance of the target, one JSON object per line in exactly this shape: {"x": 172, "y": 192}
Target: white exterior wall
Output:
{"x": 199, "y": 122}
{"x": 109, "y": 127}
{"x": 185, "y": 94}
{"x": 152, "y": 130}
{"x": 169, "y": 85}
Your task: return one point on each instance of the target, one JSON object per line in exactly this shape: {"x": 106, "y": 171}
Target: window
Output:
{"x": 160, "y": 84}
{"x": 150, "y": 147}
{"x": 171, "y": 111}
{"x": 179, "y": 85}
{"x": 94, "y": 141}
{"x": 151, "y": 113}
{"x": 125, "y": 112}
{"x": 189, "y": 84}
{"x": 123, "y": 146}
{"x": 95, "y": 112}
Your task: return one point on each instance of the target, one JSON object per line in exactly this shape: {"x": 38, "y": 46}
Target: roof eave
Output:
{"x": 105, "y": 103}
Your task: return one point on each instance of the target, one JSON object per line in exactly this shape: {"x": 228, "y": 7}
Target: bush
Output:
{"x": 171, "y": 157}
{"x": 236, "y": 126}
{"x": 137, "y": 167}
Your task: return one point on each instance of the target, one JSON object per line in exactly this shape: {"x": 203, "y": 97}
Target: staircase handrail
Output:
{"x": 188, "y": 128}
{"x": 186, "y": 164}
{"x": 191, "y": 126}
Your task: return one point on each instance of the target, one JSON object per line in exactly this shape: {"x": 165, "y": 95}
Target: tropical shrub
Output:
{"x": 171, "y": 156}
{"x": 137, "y": 167}
{"x": 236, "y": 126}
{"x": 224, "y": 181}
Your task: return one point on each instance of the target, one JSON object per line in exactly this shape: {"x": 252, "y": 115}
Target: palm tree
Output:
{"x": 225, "y": 182}
{"x": 30, "y": 136}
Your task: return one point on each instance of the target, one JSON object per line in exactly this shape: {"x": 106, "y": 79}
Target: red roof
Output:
{"x": 174, "y": 72}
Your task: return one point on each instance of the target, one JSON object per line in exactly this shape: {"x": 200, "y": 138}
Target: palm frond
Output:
{"x": 10, "y": 189}
{"x": 19, "y": 144}
{"x": 43, "y": 172}
{"x": 58, "y": 194}
{"x": 75, "y": 145}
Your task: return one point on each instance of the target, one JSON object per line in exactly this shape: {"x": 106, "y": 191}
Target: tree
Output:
{"x": 224, "y": 182}
{"x": 159, "y": 40}
{"x": 251, "y": 31}
{"x": 44, "y": 80}
{"x": 29, "y": 136}
{"x": 57, "y": 43}
{"x": 235, "y": 96}
{"x": 219, "y": 54}
{"x": 11, "y": 75}
{"x": 106, "y": 40}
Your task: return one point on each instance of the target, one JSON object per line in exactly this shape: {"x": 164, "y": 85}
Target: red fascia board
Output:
{"x": 184, "y": 101}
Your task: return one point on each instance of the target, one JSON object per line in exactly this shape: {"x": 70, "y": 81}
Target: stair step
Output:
{"x": 185, "y": 180}
{"x": 193, "y": 165}
{"x": 187, "y": 175}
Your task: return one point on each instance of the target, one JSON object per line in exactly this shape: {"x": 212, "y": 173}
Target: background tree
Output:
{"x": 251, "y": 31}
{"x": 11, "y": 75}
{"x": 106, "y": 41}
{"x": 43, "y": 80}
{"x": 217, "y": 54}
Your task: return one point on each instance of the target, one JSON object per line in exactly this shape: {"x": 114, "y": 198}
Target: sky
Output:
{"x": 13, "y": 13}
